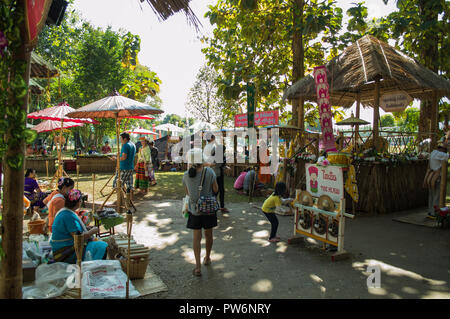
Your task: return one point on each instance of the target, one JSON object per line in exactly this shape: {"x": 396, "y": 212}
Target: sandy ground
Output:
{"x": 414, "y": 260}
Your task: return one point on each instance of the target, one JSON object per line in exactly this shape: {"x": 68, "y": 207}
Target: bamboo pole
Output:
{"x": 119, "y": 181}
{"x": 358, "y": 114}
{"x": 129, "y": 227}
{"x": 78, "y": 174}
{"x": 376, "y": 111}
{"x": 78, "y": 242}
{"x": 434, "y": 119}
{"x": 93, "y": 193}
{"x": 443, "y": 190}
{"x": 46, "y": 166}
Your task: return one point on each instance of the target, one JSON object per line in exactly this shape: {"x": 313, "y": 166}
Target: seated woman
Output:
{"x": 66, "y": 224}
{"x": 56, "y": 200}
{"x": 239, "y": 183}
{"x": 32, "y": 190}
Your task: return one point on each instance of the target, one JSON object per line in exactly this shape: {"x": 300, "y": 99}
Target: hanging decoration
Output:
{"x": 323, "y": 102}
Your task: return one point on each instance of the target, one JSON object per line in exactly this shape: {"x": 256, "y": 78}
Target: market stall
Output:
{"x": 42, "y": 164}
{"x": 389, "y": 173}
{"x": 96, "y": 163}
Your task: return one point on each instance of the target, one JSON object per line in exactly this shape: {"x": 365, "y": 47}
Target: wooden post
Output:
{"x": 301, "y": 114}
{"x": 78, "y": 242}
{"x": 46, "y": 166}
{"x": 119, "y": 181}
{"x": 443, "y": 190}
{"x": 376, "y": 110}
{"x": 235, "y": 167}
{"x": 129, "y": 227}
{"x": 78, "y": 173}
{"x": 93, "y": 193}
{"x": 434, "y": 119}
{"x": 358, "y": 114}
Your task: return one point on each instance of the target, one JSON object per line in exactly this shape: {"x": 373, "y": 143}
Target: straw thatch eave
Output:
{"x": 166, "y": 8}
{"x": 355, "y": 70}
{"x": 41, "y": 68}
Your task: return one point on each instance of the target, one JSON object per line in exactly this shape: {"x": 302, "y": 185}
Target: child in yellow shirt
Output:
{"x": 270, "y": 204}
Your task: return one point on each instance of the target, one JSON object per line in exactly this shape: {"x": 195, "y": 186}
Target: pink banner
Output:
{"x": 323, "y": 102}
{"x": 261, "y": 119}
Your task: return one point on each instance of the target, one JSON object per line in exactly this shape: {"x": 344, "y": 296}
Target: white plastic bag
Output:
{"x": 185, "y": 208}
{"x": 51, "y": 281}
{"x": 104, "y": 279}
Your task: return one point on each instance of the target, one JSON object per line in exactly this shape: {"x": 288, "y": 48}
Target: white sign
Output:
{"x": 325, "y": 180}
{"x": 395, "y": 101}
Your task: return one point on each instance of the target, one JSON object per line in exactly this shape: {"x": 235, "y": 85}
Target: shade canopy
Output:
{"x": 352, "y": 120}
{"x": 202, "y": 126}
{"x": 49, "y": 126}
{"x": 35, "y": 87}
{"x": 141, "y": 131}
{"x": 148, "y": 118}
{"x": 169, "y": 127}
{"x": 355, "y": 70}
{"x": 114, "y": 106}
{"x": 58, "y": 113}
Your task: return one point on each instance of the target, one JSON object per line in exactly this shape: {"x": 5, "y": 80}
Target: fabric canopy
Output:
{"x": 58, "y": 113}
{"x": 141, "y": 131}
{"x": 48, "y": 126}
{"x": 169, "y": 127}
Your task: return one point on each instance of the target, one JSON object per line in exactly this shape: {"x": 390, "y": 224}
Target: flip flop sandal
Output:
{"x": 207, "y": 262}
{"x": 274, "y": 240}
{"x": 196, "y": 272}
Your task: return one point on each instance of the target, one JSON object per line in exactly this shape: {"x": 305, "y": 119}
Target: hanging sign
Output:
{"x": 395, "y": 101}
{"x": 323, "y": 102}
{"x": 261, "y": 119}
{"x": 35, "y": 14}
{"x": 325, "y": 180}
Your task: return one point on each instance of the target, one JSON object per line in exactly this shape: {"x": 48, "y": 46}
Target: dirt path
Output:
{"x": 415, "y": 261}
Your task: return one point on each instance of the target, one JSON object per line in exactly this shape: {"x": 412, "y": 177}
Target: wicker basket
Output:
{"x": 138, "y": 267}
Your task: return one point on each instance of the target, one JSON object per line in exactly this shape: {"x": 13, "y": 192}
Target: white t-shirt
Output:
{"x": 436, "y": 158}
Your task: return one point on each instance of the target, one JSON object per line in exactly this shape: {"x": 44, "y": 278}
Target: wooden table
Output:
{"x": 96, "y": 164}
{"x": 38, "y": 164}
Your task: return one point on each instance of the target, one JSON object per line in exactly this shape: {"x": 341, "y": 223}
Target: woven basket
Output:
{"x": 138, "y": 267}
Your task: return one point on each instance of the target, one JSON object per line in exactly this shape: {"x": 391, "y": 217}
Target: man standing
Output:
{"x": 218, "y": 166}
{"x": 433, "y": 179}
{"x": 127, "y": 155}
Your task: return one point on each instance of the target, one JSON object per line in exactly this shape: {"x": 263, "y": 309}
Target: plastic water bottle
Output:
{"x": 186, "y": 215}
{"x": 88, "y": 256}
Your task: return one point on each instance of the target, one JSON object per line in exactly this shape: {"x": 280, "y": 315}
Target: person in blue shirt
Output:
{"x": 127, "y": 154}
{"x": 66, "y": 224}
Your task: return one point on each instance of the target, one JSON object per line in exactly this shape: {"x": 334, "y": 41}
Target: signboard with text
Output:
{"x": 261, "y": 119}
{"x": 395, "y": 101}
{"x": 325, "y": 180}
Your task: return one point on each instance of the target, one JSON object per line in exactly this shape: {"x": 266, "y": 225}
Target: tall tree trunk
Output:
{"x": 298, "y": 69}
{"x": 12, "y": 214}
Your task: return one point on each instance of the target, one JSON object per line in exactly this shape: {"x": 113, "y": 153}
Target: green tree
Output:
{"x": 254, "y": 41}
{"x": 206, "y": 104}
{"x": 407, "y": 120}
{"x": 387, "y": 120}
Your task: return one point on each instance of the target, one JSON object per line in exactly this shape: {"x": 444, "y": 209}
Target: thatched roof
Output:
{"x": 356, "y": 69}
{"x": 166, "y": 8}
{"x": 35, "y": 87}
{"x": 41, "y": 68}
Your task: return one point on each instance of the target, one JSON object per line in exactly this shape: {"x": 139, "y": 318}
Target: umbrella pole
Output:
{"x": 119, "y": 181}
{"x": 60, "y": 169}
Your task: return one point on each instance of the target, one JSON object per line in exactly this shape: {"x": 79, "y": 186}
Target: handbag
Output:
{"x": 206, "y": 205}
{"x": 431, "y": 178}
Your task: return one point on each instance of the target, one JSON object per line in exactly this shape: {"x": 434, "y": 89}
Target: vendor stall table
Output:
{"x": 39, "y": 164}
{"x": 96, "y": 164}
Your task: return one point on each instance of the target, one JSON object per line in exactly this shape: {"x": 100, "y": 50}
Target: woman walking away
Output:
{"x": 270, "y": 204}
{"x": 142, "y": 170}
{"x": 192, "y": 180}
{"x": 67, "y": 224}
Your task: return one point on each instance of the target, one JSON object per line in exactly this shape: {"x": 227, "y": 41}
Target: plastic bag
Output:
{"x": 51, "y": 281}
{"x": 104, "y": 279}
{"x": 185, "y": 208}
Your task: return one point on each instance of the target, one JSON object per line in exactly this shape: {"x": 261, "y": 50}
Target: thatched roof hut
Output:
{"x": 356, "y": 69}
{"x": 41, "y": 68}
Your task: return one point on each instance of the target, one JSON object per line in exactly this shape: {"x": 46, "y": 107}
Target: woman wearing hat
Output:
{"x": 144, "y": 160}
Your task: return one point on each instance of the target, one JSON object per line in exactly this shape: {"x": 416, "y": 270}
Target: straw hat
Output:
{"x": 326, "y": 203}
{"x": 305, "y": 198}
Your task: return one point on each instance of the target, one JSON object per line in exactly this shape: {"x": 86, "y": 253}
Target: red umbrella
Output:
{"x": 48, "y": 126}
{"x": 142, "y": 117}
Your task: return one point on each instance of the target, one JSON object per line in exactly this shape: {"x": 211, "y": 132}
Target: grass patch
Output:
{"x": 169, "y": 186}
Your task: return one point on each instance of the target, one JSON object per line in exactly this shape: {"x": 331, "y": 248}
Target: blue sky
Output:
{"x": 172, "y": 49}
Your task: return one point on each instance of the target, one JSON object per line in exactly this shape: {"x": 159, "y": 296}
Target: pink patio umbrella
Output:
{"x": 59, "y": 113}
{"x": 49, "y": 126}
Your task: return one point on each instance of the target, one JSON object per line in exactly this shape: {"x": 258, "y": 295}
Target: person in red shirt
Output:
{"x": 106, "y": 148}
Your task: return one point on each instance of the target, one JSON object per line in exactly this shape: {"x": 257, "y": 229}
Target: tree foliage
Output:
{"x": 206, "y": 104}
{"x": 94, "y": 63}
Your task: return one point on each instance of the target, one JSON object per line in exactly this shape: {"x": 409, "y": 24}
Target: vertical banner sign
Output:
{"x": 35, "y": 14}
{"x": 250, "y": 105}
{"x": 323, "y": 102}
